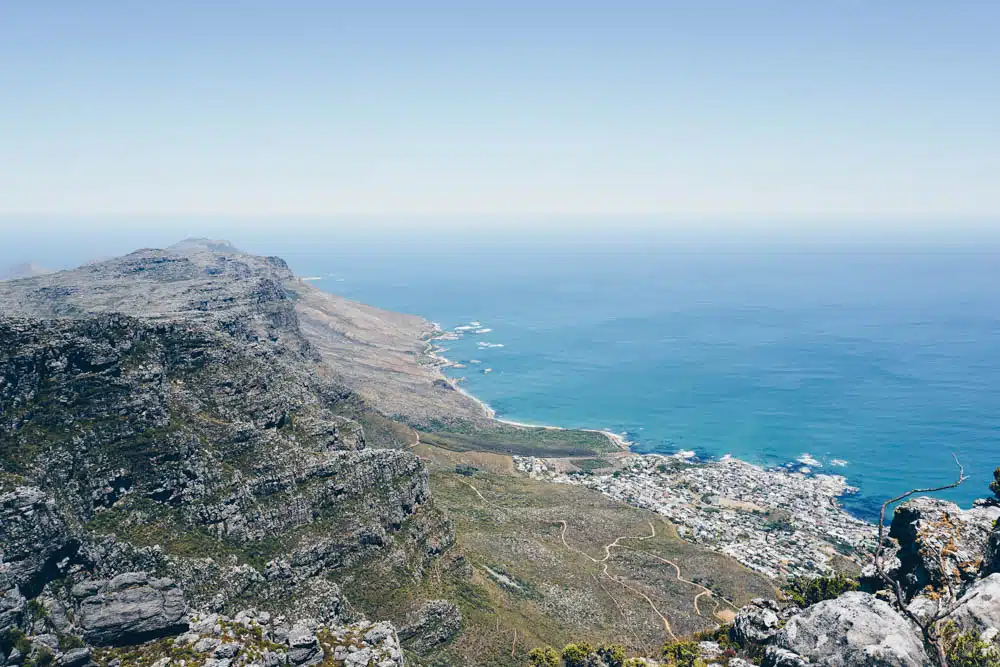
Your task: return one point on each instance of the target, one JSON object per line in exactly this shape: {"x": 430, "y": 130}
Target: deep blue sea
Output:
{"x": 886, "y": 359}
{"x": 883, "y": 356}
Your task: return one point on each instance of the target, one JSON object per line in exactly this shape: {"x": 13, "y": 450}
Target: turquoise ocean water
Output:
{"x": 888, "y": 360}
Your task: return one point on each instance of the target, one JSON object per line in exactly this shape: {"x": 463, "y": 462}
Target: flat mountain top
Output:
{"x": 379, "y": 354}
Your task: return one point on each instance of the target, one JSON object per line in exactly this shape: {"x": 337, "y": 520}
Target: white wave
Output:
{"x": 484, "y": 345}
{"x": 474, "y": 361}
{"x": 809, "y": 460}
{"x": 840, "y": 463}
{"x": 482, "y": 331}
{"x": 685, "y": 454}
{"x": 311, "y": 278}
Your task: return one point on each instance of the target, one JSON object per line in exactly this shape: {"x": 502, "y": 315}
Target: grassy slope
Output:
{"x": 517, "y": 440}
{"x": 553, "y": 594}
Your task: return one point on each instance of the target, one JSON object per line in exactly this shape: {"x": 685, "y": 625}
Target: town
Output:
{"x": 778, "y": 522}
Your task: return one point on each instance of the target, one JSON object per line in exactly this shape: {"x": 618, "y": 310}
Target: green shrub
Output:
{"x": 995, "y": 484}
{"x": 44, "y": 657}
{"x": 681, "y": 653}
{"x": 14, "y": 638}
{"x": 543, "y": 657}
{"x": 968, "y": 649}
{"x": 70, "y": 642}
{"x": 575, "y": 655}
{"x": 613, "y": 655}
{"x": 807, "y": 591}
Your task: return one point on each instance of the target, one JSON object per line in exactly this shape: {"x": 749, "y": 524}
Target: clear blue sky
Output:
{"x": 793, "y": 109}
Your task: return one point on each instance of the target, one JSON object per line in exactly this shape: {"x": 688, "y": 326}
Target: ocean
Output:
{"x": 879, "y": 361}
{"x": 876, "y": 363}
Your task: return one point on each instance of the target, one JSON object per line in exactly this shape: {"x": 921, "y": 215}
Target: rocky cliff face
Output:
{"x": 172, "y": 444}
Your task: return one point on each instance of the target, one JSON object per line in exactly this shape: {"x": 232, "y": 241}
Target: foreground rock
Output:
{"x": 129, "y": 609}
{"x": 854, "y": 629}
{"x": 941, "y": 544}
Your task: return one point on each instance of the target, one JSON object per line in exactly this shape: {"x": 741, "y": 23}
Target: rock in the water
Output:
{"x": 939, "y": 543}
{"x": 853, "y": 629}
{"x": 129, "y": 609}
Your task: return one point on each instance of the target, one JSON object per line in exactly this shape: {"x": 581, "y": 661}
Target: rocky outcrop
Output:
{"x": 991, "y": 561}
{"x": 943, "y": 556}
{"x": 12, "y": 603}
{"x": 255, "y": 639}
{"x": 34, "y": 542}
{"x": 853, "y": 629}
{"x": 434, "y": 624}
{"x": 760, "y": 620}
{"x": 941, "y": 544}
{"x": 170, "y": 438}
{"x": 129, "y": 609}
{"x": 979, "y": 610}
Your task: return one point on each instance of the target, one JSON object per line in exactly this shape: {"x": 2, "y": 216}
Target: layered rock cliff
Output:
{"x": 172, "y": 445}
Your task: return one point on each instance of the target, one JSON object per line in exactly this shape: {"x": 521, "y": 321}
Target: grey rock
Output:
{"x": 131, "y": 609}
{"x": 991, "y": 562}
{"x": 760, "y": 620}
{"x": 853, "y": 629}
{"x": 780, "y": 657}
{"x": 75, "y": 658}
{"x": 434, "y": 624}
{"x": 979, "y": 607}
{"x": 12, "y": 603}
{"x": 939, "y": 543}
{"x": 34, "y": 539}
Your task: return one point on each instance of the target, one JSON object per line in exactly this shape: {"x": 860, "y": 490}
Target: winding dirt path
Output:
{"x": 702, "y": 590}
{"x": 462, "y": 481}
{"x": 604, "y": 570}
{"x": 603, "y": 562}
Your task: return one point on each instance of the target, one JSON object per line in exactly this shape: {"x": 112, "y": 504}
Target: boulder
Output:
{"x": 979, "y": 608}
{"x": 435, "y": 623}
{"x": 12, "y": 603}
{"x": 34, "y": 541}
{"x": 780, "y": 657}
{"x": 129, "y": 609}
{"x": 939, "y": 543}
{"x": 853, "y": 629}
{"x": 991, "y": 562}
{"x": 77, "y": 657}
{"x": 760, "y": 620}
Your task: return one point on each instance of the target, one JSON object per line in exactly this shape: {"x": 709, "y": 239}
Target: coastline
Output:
{"x": 791, "y": 519}
{"x": 807, "y": 470}
{"x": 433, "y": 352}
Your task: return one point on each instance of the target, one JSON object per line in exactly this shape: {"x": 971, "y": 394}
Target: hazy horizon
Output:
{"x": 61, "y": 243}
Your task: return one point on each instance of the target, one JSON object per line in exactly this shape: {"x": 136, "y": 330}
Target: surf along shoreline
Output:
{"x": 434, "y": 353}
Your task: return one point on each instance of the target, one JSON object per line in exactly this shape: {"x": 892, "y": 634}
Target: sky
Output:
{"x": 781, "y": 109}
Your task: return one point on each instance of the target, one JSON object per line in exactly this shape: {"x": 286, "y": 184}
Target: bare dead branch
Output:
{"x": 929, "y": 626}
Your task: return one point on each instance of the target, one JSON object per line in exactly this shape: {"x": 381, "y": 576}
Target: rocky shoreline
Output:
{"x": 776, "y": 522}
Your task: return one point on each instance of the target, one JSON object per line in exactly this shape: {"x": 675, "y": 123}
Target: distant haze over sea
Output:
{"x": 884, "y": 354}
